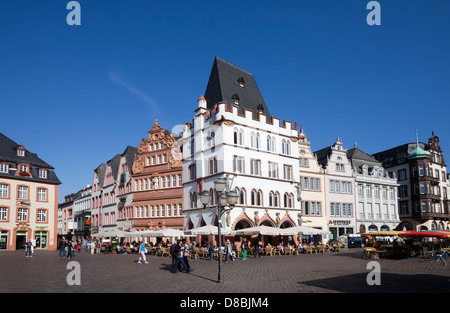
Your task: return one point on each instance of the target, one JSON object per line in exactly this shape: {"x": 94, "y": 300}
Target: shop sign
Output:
{"x": 339, "y": 222}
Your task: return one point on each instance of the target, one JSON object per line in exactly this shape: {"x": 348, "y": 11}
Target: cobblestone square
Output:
{"x": 344, "y": 272}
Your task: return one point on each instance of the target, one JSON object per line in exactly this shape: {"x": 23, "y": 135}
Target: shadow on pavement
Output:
{"x": 389, "y": 283}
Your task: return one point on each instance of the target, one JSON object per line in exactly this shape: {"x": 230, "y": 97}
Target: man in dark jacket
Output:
{"x": 257, "y": 248}
{"x": 62, "y": 247}
{"x": 178, "y": 252}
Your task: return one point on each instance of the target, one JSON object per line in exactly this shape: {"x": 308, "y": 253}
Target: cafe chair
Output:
{"x": 442, "y": 256}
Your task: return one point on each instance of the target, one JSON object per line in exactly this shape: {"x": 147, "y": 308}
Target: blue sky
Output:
{"x": 77, "y": 95}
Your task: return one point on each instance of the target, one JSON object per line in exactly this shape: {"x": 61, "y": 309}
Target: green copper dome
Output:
{"x": 418, "y": 152}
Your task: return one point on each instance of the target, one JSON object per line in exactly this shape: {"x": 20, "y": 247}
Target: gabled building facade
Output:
{"x": 312, "y": 185}
{"x": 157, "y": 176}
{"x": 376, "y": 194}
{"x": 233, "y": 135}
{"x": 423, "y": 192}
{"x": 339, "y": 189}
{"x": 112, "y": 197}
{"x": 28, "y": 198}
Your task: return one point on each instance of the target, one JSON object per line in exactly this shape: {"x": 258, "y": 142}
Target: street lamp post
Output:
{"x": 226, "y": 200}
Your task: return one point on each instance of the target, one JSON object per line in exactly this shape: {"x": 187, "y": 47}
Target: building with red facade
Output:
{"x": 157, "y": 179}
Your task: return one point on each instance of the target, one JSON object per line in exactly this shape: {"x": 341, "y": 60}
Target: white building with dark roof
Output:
{"x": 376, "y": 193}
{"x": 28, "y": 198}
{"x": 233, "y": 135}
{"x": 339, "y": 189}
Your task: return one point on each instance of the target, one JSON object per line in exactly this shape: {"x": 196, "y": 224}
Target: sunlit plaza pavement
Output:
{"x": 344, "y": 272}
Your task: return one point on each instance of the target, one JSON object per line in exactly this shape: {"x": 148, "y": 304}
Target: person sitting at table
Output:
{"x": 289, "y": 246}
{"x": 280, "y": 247}
{"x": 300, "y": 248}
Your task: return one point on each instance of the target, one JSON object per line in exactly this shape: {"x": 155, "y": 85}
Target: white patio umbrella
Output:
{"x": 208, "y": 230}
{"x": 259, "y": 230}
{"x": 168, "y": 232}
{"x": 113, "y": 233}
{"x": 134, "y": 234}
{"x": 303, "y": 230}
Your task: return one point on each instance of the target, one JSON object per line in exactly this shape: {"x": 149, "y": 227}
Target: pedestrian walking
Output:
{"x": 244, "y": 249}
{"x": 210, "y": 250}
{"x": 228, "y": 250}
{"x": 186, "y": 254}
{"x": 257, "y": 248}
{"x": 28, "y": 245}
{"x": 70, "y": 248}
{"x": 142, "y": 251}
{"x": 62, "y": 247}
{"x": 178, "y": 251}
{"x": 92, "y": 247}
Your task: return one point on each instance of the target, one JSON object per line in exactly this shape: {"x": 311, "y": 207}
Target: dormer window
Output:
{"x": 235, "y": 99}
{"x": 241, "y": 82}
{"x": 21, "y": 152}
{"x": 260, "y": 108}
{"x": 4, "y": 168}
{"x": 24, "y": 170}
{"x": 42, "y": 173}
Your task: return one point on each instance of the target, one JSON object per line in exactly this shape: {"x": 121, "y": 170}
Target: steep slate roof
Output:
{"x": 114, "y": 163}
{"x": 101, "y": 174}
{"x": 357, "y": 154}
{"x": 322, "y": 155}
{"x": 8, "y": 154}
{"x": 129, "y": 156}
{"x": 392, "y": 156}
{"x": 223, "y": 84}
{"x": 358, "y": 158}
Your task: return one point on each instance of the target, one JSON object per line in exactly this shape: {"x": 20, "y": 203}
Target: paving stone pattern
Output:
{"x": 344, "y": 272}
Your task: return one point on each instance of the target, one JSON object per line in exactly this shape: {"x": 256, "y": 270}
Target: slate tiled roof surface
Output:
{"x": 8, "y": 154}
{"x": 225, "y": 82}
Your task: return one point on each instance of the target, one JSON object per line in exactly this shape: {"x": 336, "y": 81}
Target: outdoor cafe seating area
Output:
{"x": 426, "y": 245}
{"x": 126, "y": 243}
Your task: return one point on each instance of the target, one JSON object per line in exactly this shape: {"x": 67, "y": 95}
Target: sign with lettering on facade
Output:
{"x": 340, "y": 222}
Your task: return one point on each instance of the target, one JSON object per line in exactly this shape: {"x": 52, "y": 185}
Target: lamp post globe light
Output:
{"x": 226, "y": 200}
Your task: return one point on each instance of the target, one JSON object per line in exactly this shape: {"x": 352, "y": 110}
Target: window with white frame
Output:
{"x": 255, "y": 167}
{"x": 22, "y": 214}
{"x": 287, "y": 170}
{"x": 42, "y": 215}
{"x": 238, "y": 164}
{"x": 3, "y": 214}
{"x": 42, "y": 173}
{"x": 42, "y": 194}
{"x": 4, "y": 168}
{"x": 4, "y": 190}
{"x": 23, "y": 192}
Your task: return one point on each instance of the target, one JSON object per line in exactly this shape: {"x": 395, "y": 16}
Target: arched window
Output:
{"x": 288, "y": 147}
{"x": 235, "y": 136}
{"x": 273, "y": 145}
{"x": 253, "y": 197}
{"x": 193, "y": 200}
{"x": 258, "y": 141}
{"x": 271, "y": 199}
{"x": 268, "y": 144}
{"x": 242, "y": 196}
{"x": 241, "y": 137}
{"x": 277, "y": 199}
{"x": 252, "y": 139}
{"x": 283, "y": 146}
{"x": 259, "y": 199}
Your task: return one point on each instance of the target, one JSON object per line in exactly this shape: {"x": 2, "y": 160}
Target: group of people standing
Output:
{"x": 67, "y": 246}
